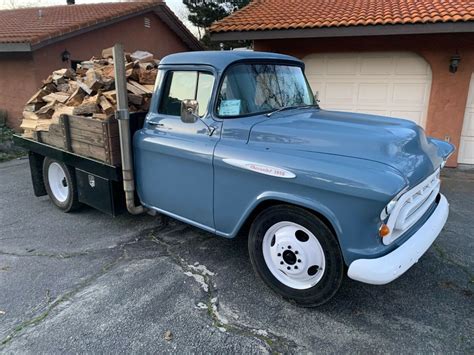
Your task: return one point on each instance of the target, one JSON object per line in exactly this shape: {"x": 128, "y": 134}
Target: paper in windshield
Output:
{"x": 229, "y": 108}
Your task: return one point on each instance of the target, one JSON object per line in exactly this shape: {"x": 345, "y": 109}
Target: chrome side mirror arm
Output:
{"x": 189, "y": 114}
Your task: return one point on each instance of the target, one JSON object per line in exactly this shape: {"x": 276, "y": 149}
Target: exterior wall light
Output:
{"x": 65, "y": 56}
{"x": 454, "y": 63}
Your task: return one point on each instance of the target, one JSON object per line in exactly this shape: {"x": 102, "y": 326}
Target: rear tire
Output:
{"x": 60, "y": 183}
{"x": 296, "y": 255}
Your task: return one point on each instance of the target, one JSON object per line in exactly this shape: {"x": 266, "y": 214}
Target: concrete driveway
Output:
{"x": 88, "y": 282}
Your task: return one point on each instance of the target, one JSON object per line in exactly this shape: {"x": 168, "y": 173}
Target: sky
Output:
{"x": 176, "y": 5}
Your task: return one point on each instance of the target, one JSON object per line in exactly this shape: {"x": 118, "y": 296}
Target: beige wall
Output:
{"x": 448, "y": 91}
{"x": 21, "y": 76}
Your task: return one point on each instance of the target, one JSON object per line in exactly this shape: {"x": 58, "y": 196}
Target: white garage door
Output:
{"x": 466, "y": 148}
{"x": 395, "y": 84}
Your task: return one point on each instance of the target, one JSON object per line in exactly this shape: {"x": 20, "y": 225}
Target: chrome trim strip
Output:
{"x": 261, "y": 168}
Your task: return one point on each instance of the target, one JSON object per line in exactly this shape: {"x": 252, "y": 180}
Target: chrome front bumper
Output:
{"x": 387, "y": 268}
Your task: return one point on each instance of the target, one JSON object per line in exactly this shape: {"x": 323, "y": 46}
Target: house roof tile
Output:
{"x": 36, "y": 24}
{"x": 300, "y": 14}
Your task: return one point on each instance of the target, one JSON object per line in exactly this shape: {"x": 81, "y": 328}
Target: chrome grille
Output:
{"x": 412, "y": 205}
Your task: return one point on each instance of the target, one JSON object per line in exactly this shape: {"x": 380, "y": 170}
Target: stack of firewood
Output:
{"x": 90, "y": 91}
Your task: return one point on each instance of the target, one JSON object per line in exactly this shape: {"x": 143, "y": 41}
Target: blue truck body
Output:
{"x": 347, "y": 166}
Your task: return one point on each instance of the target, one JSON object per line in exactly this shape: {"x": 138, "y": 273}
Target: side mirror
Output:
{"x": 189, "y": 111}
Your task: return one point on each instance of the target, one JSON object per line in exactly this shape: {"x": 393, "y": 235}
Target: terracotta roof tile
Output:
{"x": 292, "y": 14}
{"x": 35, "y": 24}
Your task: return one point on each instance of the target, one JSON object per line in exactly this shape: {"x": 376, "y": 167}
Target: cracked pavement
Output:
{"x": 86, "y": 282}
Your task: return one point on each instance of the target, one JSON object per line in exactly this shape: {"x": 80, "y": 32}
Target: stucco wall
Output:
{"x": 448, "y": 91}
{"x": 19, "y": 79}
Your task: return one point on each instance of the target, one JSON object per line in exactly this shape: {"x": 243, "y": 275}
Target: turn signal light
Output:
{"x": 384, "y": 230}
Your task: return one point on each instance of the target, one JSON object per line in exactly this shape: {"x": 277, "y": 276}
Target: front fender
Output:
{"x": 285, "y": 198}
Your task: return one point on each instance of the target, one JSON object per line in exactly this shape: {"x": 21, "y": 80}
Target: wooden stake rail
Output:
{"x": 97, "y": 139}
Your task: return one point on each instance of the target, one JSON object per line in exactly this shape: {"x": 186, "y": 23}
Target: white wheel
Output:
{"x": 58, "y": 182}
{"x": 296, "y": 254}
{"x": 293, "y": 255}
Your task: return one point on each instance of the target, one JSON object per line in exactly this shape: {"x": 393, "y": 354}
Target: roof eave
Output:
{"x": 347, "y": 31}
{"x": 15, "y": 47}
{"x": 175, "y": 24}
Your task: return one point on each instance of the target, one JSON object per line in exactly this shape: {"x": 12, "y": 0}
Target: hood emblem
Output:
{"x": 261, "y": 168}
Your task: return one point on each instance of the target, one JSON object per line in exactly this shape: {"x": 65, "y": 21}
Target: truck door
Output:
{"x": 174, "y": 160}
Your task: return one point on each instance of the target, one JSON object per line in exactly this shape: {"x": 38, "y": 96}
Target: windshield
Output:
{"x": 258, "y": 88}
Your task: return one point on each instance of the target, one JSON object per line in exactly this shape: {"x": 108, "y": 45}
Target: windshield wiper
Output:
{"x": 291, "y": 108}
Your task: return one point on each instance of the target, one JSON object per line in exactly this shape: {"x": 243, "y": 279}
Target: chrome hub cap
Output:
{"x": 293, "y": 255}
{"x": 58, "y": 182}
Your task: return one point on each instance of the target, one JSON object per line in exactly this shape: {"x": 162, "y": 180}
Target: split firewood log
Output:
{"x": 56, "y": 96}
{"x": 76, "y": 97}
{"x": 46, "y": 111}
{"x": 38, "y": 96}
{"x": 111, "y": 96}
{"x": 86, "y": 109}
{"x": 61, "y": 110}
{"x": 108, "y": 53}
{"x": 106, "y": 106}
{"x": 147, "y": 77}
{"x": 93, "y": 80}
{"x": 34, "y": 106}
{"x": 144, "y": 89}
{"x": 135, "y": 99}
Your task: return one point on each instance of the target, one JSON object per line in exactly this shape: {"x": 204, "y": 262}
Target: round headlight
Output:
{"x": 391, "y": 205}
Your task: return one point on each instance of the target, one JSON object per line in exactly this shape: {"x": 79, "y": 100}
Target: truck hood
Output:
{"x": 398, "y": 143}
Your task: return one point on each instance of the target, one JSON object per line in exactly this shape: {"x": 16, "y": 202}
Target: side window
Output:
{"x": 204, "y": 91}
{"x": 181, "y": 85}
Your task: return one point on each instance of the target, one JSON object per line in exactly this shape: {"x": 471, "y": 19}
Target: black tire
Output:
{"x": 71, "y": 202}
{"x": 333, "y": 274}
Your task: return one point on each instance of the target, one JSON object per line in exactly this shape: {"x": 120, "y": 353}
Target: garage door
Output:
{"x": 466, "y": 148}
{"x": 395, "y": 84}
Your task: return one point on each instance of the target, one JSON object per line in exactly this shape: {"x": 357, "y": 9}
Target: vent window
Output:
{"x": 147, "y": 22}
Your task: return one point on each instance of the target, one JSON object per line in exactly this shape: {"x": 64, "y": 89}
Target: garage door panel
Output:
{"x": 412, "y": 65}
{"x": 410, "y": 93}
{"x": 373, "y": 93}
{"x": 468, "y": 126}
{"x": 342, "y": 66}
{"x": 339, "y": 92}
{"x": 318, "y": 67}
{"x": 376, "y": 66}
{"x": 466, "y": 147}
{"x": 414, "y": 116}
{"x": 466, "y": 150}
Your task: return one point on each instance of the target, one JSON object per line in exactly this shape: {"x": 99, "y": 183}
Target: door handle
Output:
{"x": 156, "y": 124}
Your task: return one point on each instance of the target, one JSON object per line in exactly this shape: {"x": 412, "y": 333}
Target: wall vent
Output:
{"x": 147, "y": 22}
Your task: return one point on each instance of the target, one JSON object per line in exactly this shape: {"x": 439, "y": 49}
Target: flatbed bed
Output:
{"x": 99, "y": 184}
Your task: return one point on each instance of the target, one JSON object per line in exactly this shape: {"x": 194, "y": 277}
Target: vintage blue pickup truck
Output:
{"x": 235, "y": 142}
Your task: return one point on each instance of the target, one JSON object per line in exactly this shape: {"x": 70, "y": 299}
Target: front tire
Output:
{"x": 60, "y": 182}
{"x": 296, "y": 255}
